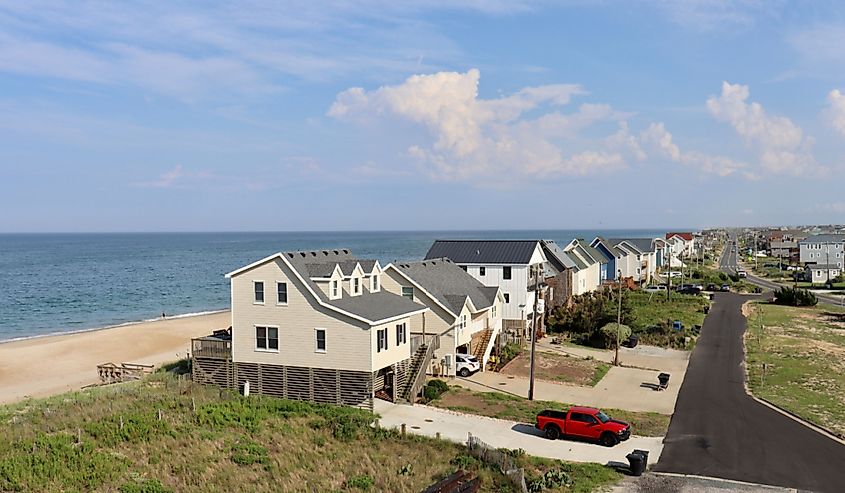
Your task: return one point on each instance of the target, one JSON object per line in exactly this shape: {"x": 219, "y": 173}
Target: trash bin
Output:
{"x": 633, "y": 340}
{"x": 707, "y": 309}
{"x": 636, "y": 463}
{"x": 644, "y": 453}
{"x": 663, "y": 378}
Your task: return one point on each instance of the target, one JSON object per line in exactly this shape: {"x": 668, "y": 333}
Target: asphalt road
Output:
{"x": 728, "y": 263}
{"x": 719, "y": 431}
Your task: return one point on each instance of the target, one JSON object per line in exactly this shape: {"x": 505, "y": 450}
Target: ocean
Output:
{"x": 56, "y": 283}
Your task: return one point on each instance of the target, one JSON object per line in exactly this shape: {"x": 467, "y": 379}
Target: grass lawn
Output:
{"x": 650, "y": 309}
{"x": 514, "y": 408}
{"x": 804, "y": 353}
{"x": 111, "y": 439}
{"x": 559, "y": 367}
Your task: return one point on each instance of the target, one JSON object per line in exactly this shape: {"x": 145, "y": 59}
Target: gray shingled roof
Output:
{"x": 483, "y": 251}
{"x": 596, "y": 254}
{"x": 822, "y": 266}
{"x": 644, "y": 245}
{"x": 557, "y": 257}
{"x": 370, "y": 306}
{"x": 376, "y": 306}
{"x": 448, "y": 283}
{"x": 824, "y": 238}
{"x": 610, "y": 246}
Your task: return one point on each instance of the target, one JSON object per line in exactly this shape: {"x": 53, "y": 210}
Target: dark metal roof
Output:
{"x": 644, "y": 245}
{"x": 824, "y": 238}
{"x": 483, "y": 251}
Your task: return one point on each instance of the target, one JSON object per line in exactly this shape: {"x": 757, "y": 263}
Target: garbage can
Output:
{"x": 644, "y": 453}
{"x": 707, "y": 309}
{"x": 633, "y": 340}
{"x": 636, "y": 464}
{"x": 663, "y": 378}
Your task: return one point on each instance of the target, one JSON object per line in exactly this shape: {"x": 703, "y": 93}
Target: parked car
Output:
{"x": 725, "y": 288}
{"x": 689, "y": 289}
{"x": 655, "y": 289}
{"x": 466, "y": 364}
{"x": 712, "y": 287}
{"x": 583, "y": 422}
{"x": 741, "y": 273}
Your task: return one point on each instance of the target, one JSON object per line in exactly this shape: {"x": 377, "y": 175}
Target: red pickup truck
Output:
{"x": 583, "y": 422}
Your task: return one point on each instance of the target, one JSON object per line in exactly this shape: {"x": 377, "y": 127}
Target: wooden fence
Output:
{"x": 493, "y": 456}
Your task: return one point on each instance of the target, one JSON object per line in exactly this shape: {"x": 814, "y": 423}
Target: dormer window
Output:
{"x": 356, "y": 285}
{"x": 374, "y": 283}
{"x": 335, "y": 289}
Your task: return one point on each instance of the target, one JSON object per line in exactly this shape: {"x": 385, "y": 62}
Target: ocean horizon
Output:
{"x": 56, "y": 283}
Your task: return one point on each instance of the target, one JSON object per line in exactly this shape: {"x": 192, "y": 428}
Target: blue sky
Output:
{"x": 190, "y": 116}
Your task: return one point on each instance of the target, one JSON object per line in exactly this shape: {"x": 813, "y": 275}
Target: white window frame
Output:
{"x": 401, "y": 333}
{"x": 353, "y": 288}
{"x": 279, "y": 302}
{"x": 263, "y": 292}
{"x": 379, "y": 347}
{"x": 411, "y": 292}
{"x": 334, "y": 289}
{"x": 317, "y": 349}
{"x": 375, "y": 283}
{"x": 267, "y": 338}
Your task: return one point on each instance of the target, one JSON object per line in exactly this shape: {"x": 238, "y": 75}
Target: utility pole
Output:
{"x": 618, "y": 321}
{"x": 534, "y": 332}
{"x": 669, "y": 277}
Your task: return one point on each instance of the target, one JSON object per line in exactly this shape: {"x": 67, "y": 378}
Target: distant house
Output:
{"x": 465, "y": 314}
{"x": 635, "y": 258}
{"x": 616, "y": 258}
{"x": 508, "y": 264}
{"x": 825, "y": 249}
{"x": 595, "y": 264}
{"x": 786, "y": 251}
{"x": 682, "y": 244}
{"x": 821, "y": 273}
{"x": 562, "y": 273}
{"x": 313, "y": 325}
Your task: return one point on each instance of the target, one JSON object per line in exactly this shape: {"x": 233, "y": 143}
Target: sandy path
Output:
{"x": 51, "y": 365}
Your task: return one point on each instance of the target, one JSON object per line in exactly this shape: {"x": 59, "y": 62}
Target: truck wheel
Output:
{"x": 609, "y": 439}
{"x": 552, "y": 432}
{"x": 464, "y": 372}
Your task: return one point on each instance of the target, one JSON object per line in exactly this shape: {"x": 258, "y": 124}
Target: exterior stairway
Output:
{"x": 483, "y": 342}
{"x": 415, "y": 378}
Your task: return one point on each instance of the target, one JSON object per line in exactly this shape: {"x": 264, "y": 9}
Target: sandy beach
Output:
{"x": 46, "y": 366}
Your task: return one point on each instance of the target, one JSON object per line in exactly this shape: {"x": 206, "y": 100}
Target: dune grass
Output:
{"x": 164, "y": 434}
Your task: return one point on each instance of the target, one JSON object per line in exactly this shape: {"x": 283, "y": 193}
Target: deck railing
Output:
{"x": 419, "y": 378}
{"x": 211, "y": 348}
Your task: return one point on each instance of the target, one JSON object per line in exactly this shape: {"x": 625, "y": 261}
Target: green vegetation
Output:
{"x": 795, "y": 297}
{"x": 516, "y": 408}
{"x": 434, "y": 389}
{"x": 162, "y": 435}
{"x": 802, "y": 349}
{"x": 601, "y": 371}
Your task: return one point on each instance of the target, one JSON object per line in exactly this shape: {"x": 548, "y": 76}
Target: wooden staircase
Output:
{"x": 481, "y": 347}
{"x": 415, "y": 377}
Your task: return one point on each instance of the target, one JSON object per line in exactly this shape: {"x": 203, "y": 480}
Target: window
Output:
{"x": 408, "y": 292}
{"x": 320, "y": 334}
{"x": 482, "y": 271}
{"x": 382, "y": 339}
{"x": 282, "y": 293}
{"x": 462, "y": 322}
{"x": 267, "y": 338}
{"x": 494, "y": 311}
{"x": 334, "y": 289}
{"x": 356, "y": 285}
{"x": 259, "y": 291}
{"x": 507, "y": 298}
{"x": 374, "y": 283}
{"x": 401, "y": 334}
{"x": 506, "y": 272}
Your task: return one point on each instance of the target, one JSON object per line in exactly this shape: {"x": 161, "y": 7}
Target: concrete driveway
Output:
{"x": 622, "y": 388}
{"x": 453, "y": 426}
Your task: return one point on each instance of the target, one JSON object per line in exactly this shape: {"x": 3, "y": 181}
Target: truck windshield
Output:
{"x": 604, "y": 418}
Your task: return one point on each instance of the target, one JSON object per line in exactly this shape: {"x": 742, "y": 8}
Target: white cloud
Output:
{"x": 781, "y": 144}
{"x": 837, "y": 110}
{"x": 660, "y": 139}
{"x": 484, "y": 138}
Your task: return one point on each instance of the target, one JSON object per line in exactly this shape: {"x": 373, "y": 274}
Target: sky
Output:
{"x": 420, "y": 115}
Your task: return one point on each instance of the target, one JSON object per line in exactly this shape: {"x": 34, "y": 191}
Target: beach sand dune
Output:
{"x": 52, "y": 365}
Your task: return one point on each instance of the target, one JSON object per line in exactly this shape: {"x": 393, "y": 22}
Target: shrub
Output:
{"x": 246, "y": 453}
{"x": 510, "y": 351}
{"x": 434, "y": 389}
{"x": 553, "y": 478}
{"x": 608, "y": 333}
{"x": 363, "y": 482}
{"x": 795, "y": 297}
